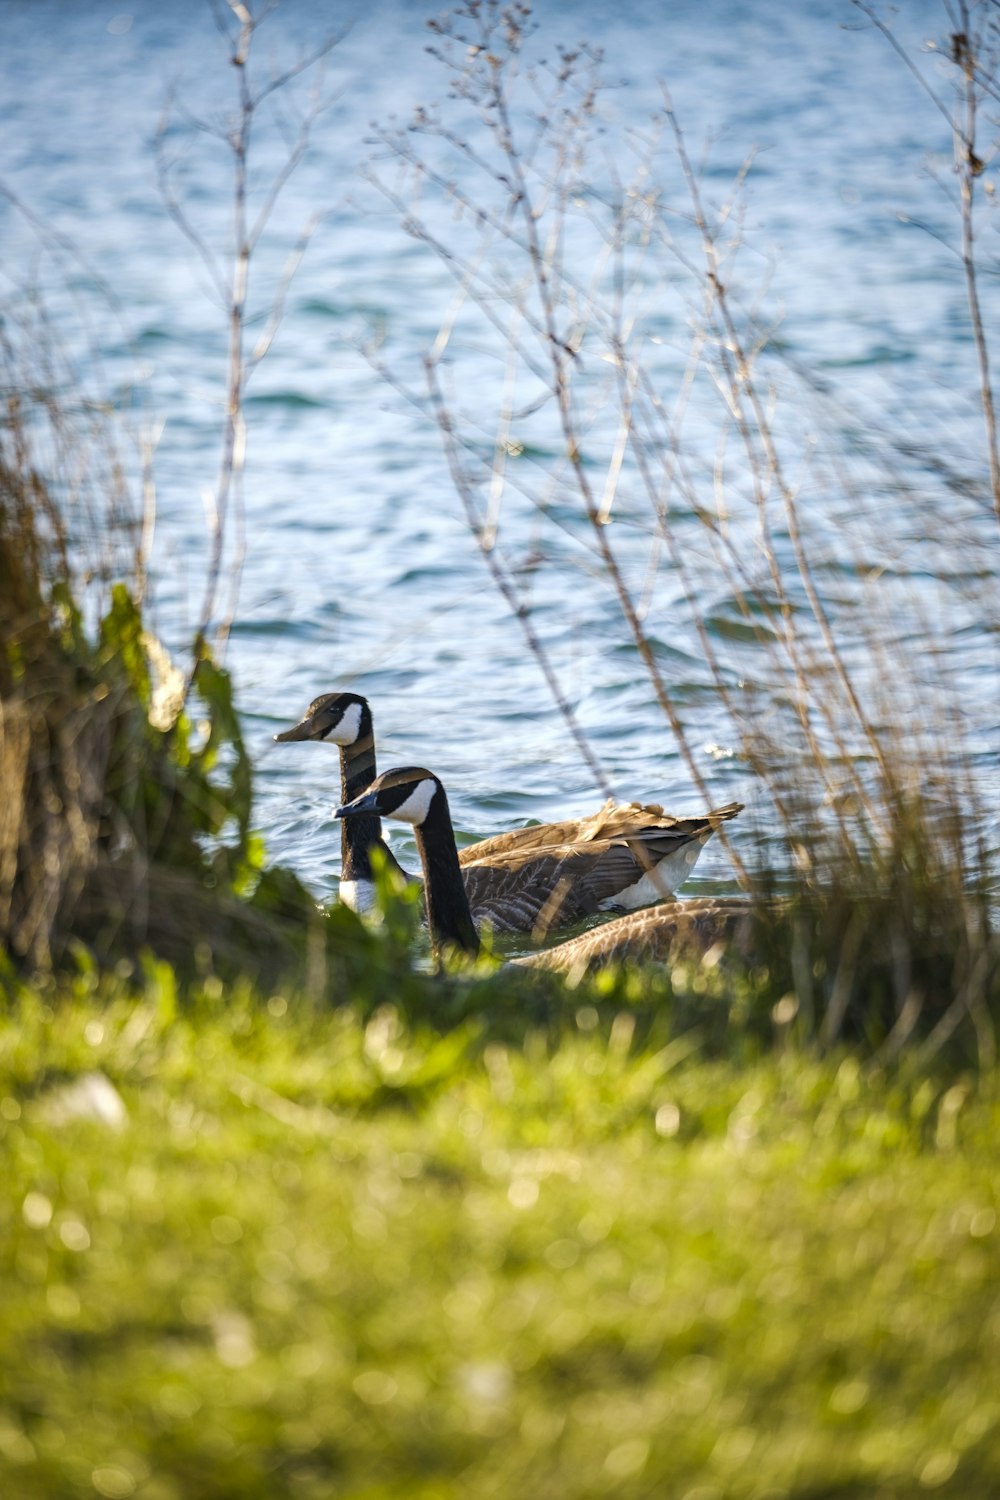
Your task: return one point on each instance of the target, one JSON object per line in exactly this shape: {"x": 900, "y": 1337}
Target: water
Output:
{"x": 360, "y": 569}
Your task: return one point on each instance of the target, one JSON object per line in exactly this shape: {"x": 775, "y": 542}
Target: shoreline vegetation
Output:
{"x": 287, "y": 1213}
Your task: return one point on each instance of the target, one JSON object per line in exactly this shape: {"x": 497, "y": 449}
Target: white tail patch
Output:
{"x": 346, "y": 731}
{"x": 417, "y": 805}
{"x": 659, "y": 882}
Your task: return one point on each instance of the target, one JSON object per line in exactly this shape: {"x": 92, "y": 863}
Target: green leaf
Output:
{"x": 121, "y": 641}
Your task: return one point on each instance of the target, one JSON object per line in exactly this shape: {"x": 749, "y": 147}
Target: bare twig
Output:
{"x": 501, "y": 576}
{"x": 976, "y": 77}
{"x": 822, "y": 697}
{"x": 239, "y": 28}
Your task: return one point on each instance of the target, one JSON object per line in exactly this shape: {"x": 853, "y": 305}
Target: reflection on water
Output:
{"x": 360, "y": 570}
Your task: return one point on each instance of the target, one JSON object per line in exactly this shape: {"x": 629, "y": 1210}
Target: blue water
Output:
{"x": 360, "y": 569}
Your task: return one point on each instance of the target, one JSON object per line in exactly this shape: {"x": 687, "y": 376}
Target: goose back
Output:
{"x": 655, "y": 934}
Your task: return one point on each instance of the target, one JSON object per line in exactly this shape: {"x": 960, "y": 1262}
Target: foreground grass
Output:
{"x": 320, "y": 1253}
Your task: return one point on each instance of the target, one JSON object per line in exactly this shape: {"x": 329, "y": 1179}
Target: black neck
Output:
{"x": 448, "y": 916}
{"x": 357, "y": 761}
{"x": 357, "y": 835}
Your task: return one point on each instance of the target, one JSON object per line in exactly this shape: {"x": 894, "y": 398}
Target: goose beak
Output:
{"x": 301, "y": 731}
{"x": 366, "y": 803}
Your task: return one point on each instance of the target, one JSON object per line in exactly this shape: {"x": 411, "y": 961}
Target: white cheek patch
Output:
{"x": 347, "y": 730}
{"x": 417, "y": 805}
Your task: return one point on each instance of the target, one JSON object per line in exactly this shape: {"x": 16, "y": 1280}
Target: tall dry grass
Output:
{"x": 574, "y": 248}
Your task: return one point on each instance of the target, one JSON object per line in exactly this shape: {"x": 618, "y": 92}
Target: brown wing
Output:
{"x": 523, "y": 884}
{"x": 531, "y": 894}
{"x": 537, "y": 891}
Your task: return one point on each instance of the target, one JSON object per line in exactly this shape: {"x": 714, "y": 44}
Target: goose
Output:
{"x": 624, "y": 856}
{"x": 345, "y": 719}
{"x": 413, "y": 795}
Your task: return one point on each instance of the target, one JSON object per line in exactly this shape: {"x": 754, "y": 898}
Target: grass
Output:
{"x": 315, "y": 1252}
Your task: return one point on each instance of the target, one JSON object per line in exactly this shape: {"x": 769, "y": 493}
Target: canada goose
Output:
{"x": 345, "y": 719}
{"x": 530, "y": 879}
{"x": 413, "y": 795}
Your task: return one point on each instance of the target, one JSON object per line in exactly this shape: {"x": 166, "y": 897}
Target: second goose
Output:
{"x": 529, "y": 880}
{"x": 415, "y": 796}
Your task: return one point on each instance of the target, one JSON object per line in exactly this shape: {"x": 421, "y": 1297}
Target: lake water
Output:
{"x": 360, "y": 570}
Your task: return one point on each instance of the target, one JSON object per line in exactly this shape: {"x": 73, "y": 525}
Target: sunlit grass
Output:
{"x": 316, "y": 1253}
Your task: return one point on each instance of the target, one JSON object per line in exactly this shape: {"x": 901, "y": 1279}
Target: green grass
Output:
{"x": 327, "y": 1253}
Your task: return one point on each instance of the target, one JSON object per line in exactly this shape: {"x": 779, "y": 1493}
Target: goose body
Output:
{"x": 623, "y": 857}
{"x": 533, "y": 879}
{"x": 413, "y": 795}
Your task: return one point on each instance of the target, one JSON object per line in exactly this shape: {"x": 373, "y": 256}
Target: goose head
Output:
{"x": 407, "y": 794}
{"x": 412, "y": 795}
{"x": 334, "y": 718}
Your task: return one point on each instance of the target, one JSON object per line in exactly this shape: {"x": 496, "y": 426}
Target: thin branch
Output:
{"x": 176, "y": 211}
{"x": 506, "y": 586}
{"x": 905, "y": 59}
